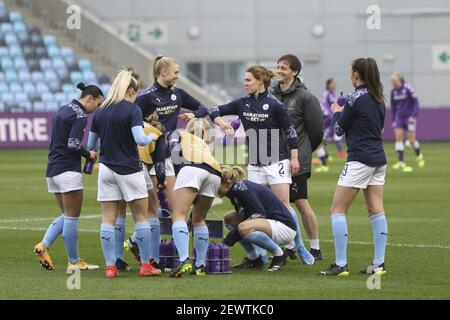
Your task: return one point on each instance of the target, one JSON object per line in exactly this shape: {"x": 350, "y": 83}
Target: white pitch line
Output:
{"x": 84, "y": 217}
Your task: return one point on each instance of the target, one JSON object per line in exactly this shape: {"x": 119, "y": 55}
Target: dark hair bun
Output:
{"x": 81, "y": 86}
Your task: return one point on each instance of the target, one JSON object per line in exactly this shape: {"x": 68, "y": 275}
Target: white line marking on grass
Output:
{"x": 407, "y": 245}
{"x": 84, "y": 217}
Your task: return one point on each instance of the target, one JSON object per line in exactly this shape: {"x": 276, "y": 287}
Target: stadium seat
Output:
{"x": 21, "y": 97}
{"x": 47, "y": 97}
{"x": 11, "y": 76}
{"x": 45, "y": 64}
{"x": 6, "y": 28}
{"x": 4, "y": 52}
{"x": 67, "y": 52}
{"x": 36, "y": 40}
{"x": 68, "y": 88}
{"x": 15, "y": 51}
{"x": 49, "y": 40}
{"x": 89, "y": 77}
{"x": 61, "y": 98}
{"x": 41, "y": 52}
{"x": 33, "y": 65}
{"x": 34, "y": 30}
{"x": 50, "y": 75}
{"x": 38, "y": 106}
{"x": 105, "y": 88}
{"x": 37, "y": 76}
{"x": 11, "y": 39}
{"x": 53, "y": 52}
{"x": 54, "y": 85}
{"x": 20, "y": 27}
{"x": 26, "y": 106}
{"x": 15, "y": 16}
{"x": 24, "y": 75}
{"x": 3, "y": 88}
{"x": 7, "y": 64}
{"x": 2, "y": 107}
{"x": 2, "y": 76}
{"x": 42, "y": 87}
{"x": 20, "y": 64}
{"x": 85, "y": 65}
{"x": 15, "y": 88}
{"x": 76, "y": 77}
{"x": 52, "y": 106}
{"x": 28, "y": 88}
{"x": 7, "y": 97}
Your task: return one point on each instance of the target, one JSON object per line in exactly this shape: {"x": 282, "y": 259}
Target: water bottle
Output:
{"x": 208, "y": 259}
{"x": 215, "y": 258}
{"x": 225, "y": 258}
{"x": 163, "y": 254}
{"x": 341, "y": 100}
{"x": 235, "y": 124}
{"x": 89, "y": 165}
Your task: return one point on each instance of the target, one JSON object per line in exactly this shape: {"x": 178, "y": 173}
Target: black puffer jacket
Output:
{"x": 307, "y": 118}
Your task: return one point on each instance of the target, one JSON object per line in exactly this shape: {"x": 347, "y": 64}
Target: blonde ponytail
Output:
{"x": 160, "y": 63}
{"x": 122, "y": 83}
{"x": 201, "y": 128}
{"x": 232, "y": 174}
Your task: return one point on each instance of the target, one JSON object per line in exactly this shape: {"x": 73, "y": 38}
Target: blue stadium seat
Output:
{"x": 41, "y": 52}
{"x": 15, "y": 16}
{"x": 36, "y": 40}
{"x": 33, "y": 65}
{"x": 52, "y": 106}
{"x": 6, "y": 28}
{"x": 20, "y": 64}
{"x": 85, "y": 65}
{"x": 50, "y": 75}
{"x": 29, "y": 88}
{"x": 15, "y": 51}
{"x": 61, "y": 98}
{"x": 54, "y": 85}
{"x": 26, "y": 106}
{"x": 45, "y": 64}
{"x": 20, "y": 27}
{"x": 37, "y": 76}
{"x": 7, "y": 64}
{"x": 67, "y": 52}
{"x": 21, "y": 97}
{"x": 11, "y": 76}
{"x": 42, "y": 87}
{"x": 24, "y": 76}
{"x": 59, "y": 63}
{"x": 53, "y": 52}
{"x": 3, "y": 87}
{"x": 76, "y": 77}
{"x": 7, "y": 97}
{"x": 2, "y": 107}
{"x": 11, "y": 39}
{"x": 90, "y": 77}
{"x": 68, "y": 88}
{"x": 2, "y": 76}
{"x": 47, "y": 97}
{"x": 49, "y": 40}
{"x": 4, "y": 52}
{"x": 15, "y": 88}
{"x": 38, "y": 106}
{"x": 105, "y": 88}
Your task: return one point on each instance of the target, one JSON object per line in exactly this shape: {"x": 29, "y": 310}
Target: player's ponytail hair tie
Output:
{"x": 232, "y": 174}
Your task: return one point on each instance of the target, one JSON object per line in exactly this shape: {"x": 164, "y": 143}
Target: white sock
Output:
{"x": 314, "y": 244}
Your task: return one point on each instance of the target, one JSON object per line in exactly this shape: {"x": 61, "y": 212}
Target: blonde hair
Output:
{"x": 160, "y": 63}
{"x": 232, "y": 174}
{"x": 122, "y": 83}
{"x": 201, "y": 128}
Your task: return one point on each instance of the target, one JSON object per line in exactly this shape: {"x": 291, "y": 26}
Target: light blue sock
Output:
{"x": 70, "y": 236}
{"x": 180, "y": 234}
{"x": 247, "y": 245}
{"x": 143, "y": 236}
{"x": 53, "y": 231}
{"x": 155, "y": 238}
{"x": 298, "y": 237}
{"x": 263, "y": 240}
{"x": 119, "y": 237}
{"x": 380, "y": 233}
{"x": 201, "y": 237}
{"x": 340, "y": 235}
{"x": 107, "y": 240}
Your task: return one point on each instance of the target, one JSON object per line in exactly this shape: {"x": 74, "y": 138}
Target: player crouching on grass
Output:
{"x": 260, "y": 219}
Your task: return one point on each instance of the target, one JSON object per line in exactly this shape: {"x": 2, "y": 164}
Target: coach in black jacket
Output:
{"x": 307, "y": 118}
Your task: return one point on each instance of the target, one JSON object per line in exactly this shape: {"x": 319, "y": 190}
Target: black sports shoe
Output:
{"x": 335, "y": 270}
{"x": 183, "y": 267}
{"x": 373, "y": 269}
{"x": 291, "y": 253}
{"x": 122, "y": 266}
{"x": 248, "y": 263}
{"x": 277, "y": 262}
{"x": 316, "y": 253}
{"x": 129, "y": 245}
{"x": 198, "y": 271}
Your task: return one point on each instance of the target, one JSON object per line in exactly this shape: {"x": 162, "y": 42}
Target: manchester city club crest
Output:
{"x": 265, "y": 107}
{"x": 174, "y": 97}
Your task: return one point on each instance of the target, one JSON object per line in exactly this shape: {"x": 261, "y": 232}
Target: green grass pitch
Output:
{"x": 418, "y": 254}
